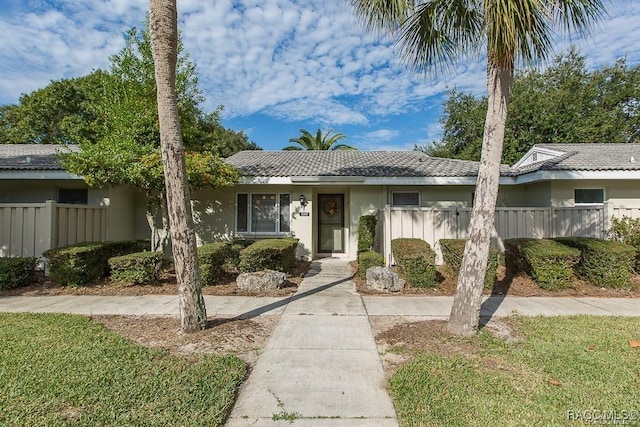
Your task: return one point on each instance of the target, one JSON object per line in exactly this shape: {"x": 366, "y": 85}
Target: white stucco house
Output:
{"x": 319, "y": 196}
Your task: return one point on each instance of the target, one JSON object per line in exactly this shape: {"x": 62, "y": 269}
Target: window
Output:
{"x": 405, "y": 198}
{"x": 73, "y": 196}
{"x": 263, "y": 213}
{"x": 588, "y": 196}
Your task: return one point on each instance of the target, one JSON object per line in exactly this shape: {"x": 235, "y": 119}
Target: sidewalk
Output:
{"x": 321, "y": 365}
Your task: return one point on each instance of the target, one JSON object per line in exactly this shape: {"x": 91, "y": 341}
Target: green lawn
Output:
{"x": 68, "y": 370}
{"x": 563, "y": 369}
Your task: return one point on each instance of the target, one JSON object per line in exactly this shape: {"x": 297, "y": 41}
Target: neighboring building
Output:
{"x": 319, "y": 196}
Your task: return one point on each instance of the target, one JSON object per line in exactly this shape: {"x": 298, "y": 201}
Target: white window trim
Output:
{"x": 407, "y": 192}
{"x": 249, "y": 232}
{"x": 604, "y": 197}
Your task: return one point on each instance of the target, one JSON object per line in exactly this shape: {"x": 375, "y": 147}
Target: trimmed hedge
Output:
{"x": 212, "y": 258}
{"x": 549, "y": 263}
{"x": 237, "y": 246}
{"x": 452, "y": 253}
{"x": 627, "y": 230}
{"x": 366, "y": 232}
{"x": 605, "y": 263}
{"x": 269, "y": 254}
{"x": 417, "y": 261}
{"x": 368, "y": 259}
{"x": 86, "y": 262}
{"x": 16, "y": 272}
{"x": 136, "y": 268}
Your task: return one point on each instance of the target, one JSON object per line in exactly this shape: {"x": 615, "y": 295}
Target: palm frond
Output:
{"x": 383, "y": 15}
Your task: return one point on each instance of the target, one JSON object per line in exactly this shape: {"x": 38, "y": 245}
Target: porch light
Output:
{"x": 303, "y": 201}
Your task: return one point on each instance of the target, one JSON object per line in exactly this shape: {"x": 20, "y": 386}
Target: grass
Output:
{"x": 563, "y": 369}
{"x": 69, "y": 370}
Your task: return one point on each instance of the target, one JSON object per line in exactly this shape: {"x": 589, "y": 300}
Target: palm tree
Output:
{"x": 431, "y": 32}
{"x": 321, "y": 142}
{"x": 163, "y": 26}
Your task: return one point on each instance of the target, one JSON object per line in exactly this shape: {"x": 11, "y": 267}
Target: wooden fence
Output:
{"x": 29, "y": 229}
{"x": 433, "y": 224}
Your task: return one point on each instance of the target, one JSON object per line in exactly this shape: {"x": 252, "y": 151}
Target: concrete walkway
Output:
{"x": 320, "y": 366}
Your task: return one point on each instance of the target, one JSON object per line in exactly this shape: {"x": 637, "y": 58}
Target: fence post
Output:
{"x": 606, "y": 218}
{"x": 387, "y": 234}
{"x": 49, "y": 227}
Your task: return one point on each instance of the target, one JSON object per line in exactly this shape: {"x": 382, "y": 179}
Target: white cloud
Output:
{"x": 296, "y": 60}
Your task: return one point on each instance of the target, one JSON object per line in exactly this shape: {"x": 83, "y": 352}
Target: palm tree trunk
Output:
{"x": 465, "y": 313}
{"x": 163, "y": 23}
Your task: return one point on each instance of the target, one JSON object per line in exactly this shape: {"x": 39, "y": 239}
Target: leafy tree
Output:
{"x": 93, "y": 108}
{"x": 511, "y": 31}
{"x": 566, "y": 103}
{"x": 320, "y": 141}
{"x": 163, "y": 25}
{"x": 126, "y": 150}
{"x": 60, "y": 113}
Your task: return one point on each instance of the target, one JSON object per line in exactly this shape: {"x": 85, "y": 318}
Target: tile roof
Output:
{"x": 588, "y": 157}
{"x": 32, "y": 156}
{"x": 349, "y": 163}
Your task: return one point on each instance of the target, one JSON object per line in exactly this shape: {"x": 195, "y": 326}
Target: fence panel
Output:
{"x": 29, "y": 229}
{"x": 433, "y": 224}
{"x": 619, "y": 212}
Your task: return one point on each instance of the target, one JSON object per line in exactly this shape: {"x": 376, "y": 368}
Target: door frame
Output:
{"x": 319, "y": 225}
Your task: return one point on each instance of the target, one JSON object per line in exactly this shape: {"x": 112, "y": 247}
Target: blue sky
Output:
{"x": 277, "y": 66}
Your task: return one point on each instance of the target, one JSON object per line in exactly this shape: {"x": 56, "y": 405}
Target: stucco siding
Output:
{"x": 616, "y": 192}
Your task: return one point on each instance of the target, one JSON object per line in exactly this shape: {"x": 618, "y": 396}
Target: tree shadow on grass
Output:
{"x": 499, "y": 291}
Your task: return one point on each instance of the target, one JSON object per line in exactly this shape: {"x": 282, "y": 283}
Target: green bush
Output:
{"x": 368, "y": 259}
{"x": 452, "y": 252}
{"x": 548, "y": 262}
{"x": 136, "y": 268}
{"x": 212, "y": 258}
{"x": 606, "y": 263}
{"x": 416, "y": 260}
{"x": 85, "y": 262}
{"x": 16, "y": 272}
{"x": 366, "y": 232}
{"x": 233, "y": 262}
{"x": 272, "y": 254}
{"x": 627, "y": 230}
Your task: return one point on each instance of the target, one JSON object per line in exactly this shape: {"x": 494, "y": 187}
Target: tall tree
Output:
{"x": 322, "y": 142}
{"x": 125, "y": 149}
{"x": 567, "y": 102}
{"x": 163, "y": 24}
{"x": 441, "y": 31}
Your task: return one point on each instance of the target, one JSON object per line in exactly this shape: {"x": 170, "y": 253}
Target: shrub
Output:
{"x": 548, "y": 262}
{"x": 16, "y": 272}
{"x": 605, "y": 263}
{"x": 368, "y": 259}
{"x": 212, "y": 258}
{"x": 627, "y": 230}
{"x": 136, "y": 268}
{"x": 366, "y": 232}
{"x": 86, "y": 262}
{"x": 452, "y": 252}
{"x": 272, "y": 254}
{"x": 237, "y": 246}
{"x": 416, "y": 260}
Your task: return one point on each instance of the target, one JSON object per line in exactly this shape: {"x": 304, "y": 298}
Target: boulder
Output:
{"x": 265, "y": 280}
{"x": 383, "y": 279}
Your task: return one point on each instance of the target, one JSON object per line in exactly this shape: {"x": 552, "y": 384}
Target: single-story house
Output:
{"x": 319, "y": 196}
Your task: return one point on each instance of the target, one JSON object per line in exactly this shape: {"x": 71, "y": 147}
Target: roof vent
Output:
{"x": 28, "y": 159}
{"x": 632, "y": 160}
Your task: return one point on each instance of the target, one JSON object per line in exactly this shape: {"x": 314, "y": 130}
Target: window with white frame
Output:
{"x": 588, "y": 196}
{"x": 405, "y": 198}
{"x": 263, "y": 213}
